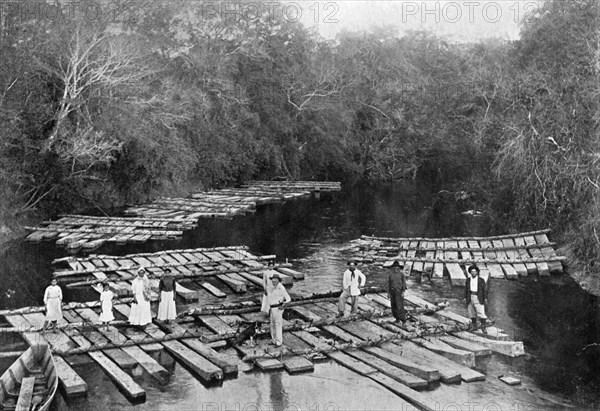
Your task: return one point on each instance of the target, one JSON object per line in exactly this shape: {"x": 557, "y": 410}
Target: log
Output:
{"x": 466, "y": 373}
{"x": 427, "y": 373}
{"x": 125, "y": 383}
{"x": 211, "y": 355}
{"x": 384, "y": 367}
{"x": 201, "y": 367}
{"x": 71, "y": 383}
{"x": 297, "y": 364}
{"x": 477, "y": 349}
{"x": 508, "y": 348}
{"x": 529, "y": 233}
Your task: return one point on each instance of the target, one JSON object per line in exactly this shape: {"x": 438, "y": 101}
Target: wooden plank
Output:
{"x": 453, "y": 316}
{"x": 351, "y": 363}
{"x": 213, "y": 290}
{"x": 477, "y": 349}
{"x": 418, "y": 301}
{"x": 25, "y": 394}
{"x": 438, "y": 268}
{"x": 58, "y": 340}
{"x": 294, "y": 343}
{"x": 429, "y": 247}
{"x": 186, "y": 293}
{"x": 269, "y": 364}
{"x": 31, "y": 338}
{"x": 120, "y": 357}
{"x": 312, "y": 340}
{"x": 341, "y": 334}
{"x": 148, "y": 363}
{"x": 305, "y": 313}
{"x": 457, "y": 275}
{"x": 514, "y": 255}
{"x": 466, "y": 358}
{"x": 424, "y": 372}
{"x": 509, "y": 271}
{"x": 200, "y": 366}
{"x": 435, "y": 322}
{"x": 236, "y": 285}
{"x": 555, "y": 267}
{"x": 384, "y": 367}
{"x": 508, "y": 348}
{"x": 180, "y": 258}
{"x": 211, "y": 355}
{"x": 466, "y": 253}
{"x": 494, "y": 268}
{"x": 421, "y": 401}
{"x": 531, "y": 268}
{"x": 366, "y": 330}
{"x": 448, "y": 366}
{"x": 447, "y": 374}
{"x": 293, "y": 273}
{"x": 215, "y": 324}
{"x": 378, "y": 299}
{"x": 542, "y": 267}
{"x": 72, "y": 384}
{"x": 123, "y": 381}
{"x": 252, "y": 278}
{"x": 509, "y": 380}
{"x": 297, "y": 364}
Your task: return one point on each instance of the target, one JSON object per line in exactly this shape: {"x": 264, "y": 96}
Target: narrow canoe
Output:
{"x": 37, "y": 363}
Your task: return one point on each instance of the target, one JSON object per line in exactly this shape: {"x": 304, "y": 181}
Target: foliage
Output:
{"x": 174, "y": 95}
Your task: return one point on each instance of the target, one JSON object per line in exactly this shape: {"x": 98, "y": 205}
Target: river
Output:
{"x": 556, "y": 320}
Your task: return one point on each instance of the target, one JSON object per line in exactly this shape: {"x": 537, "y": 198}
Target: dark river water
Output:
{"x": 556, "y": 320}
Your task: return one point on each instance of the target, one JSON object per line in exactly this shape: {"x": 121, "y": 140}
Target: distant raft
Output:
{"x": 508, "y": 256}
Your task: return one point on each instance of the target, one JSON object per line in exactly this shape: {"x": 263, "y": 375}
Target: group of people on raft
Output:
{"x": 140, "y": 313}
{"x": 275, "y": 298}
{"x": 476, "y": 292}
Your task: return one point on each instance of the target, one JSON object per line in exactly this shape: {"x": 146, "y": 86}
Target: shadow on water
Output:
{"x": 558, "y": 322}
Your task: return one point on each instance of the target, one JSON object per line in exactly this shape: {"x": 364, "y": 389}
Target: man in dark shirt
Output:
{"x": 396, "y": 288}
{"x": 475, "y": 296}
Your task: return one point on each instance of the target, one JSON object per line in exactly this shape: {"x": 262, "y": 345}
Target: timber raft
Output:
{"x": 229, "y": 202}
{"x": 200, "y": 272}
{"x": 169, "y": 218}
{"x": 433, "y": 349}
{"x": 508, "y": 256}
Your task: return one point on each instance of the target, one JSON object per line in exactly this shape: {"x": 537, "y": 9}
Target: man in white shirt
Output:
{"x": 278, "y": 297}
{"x": 352, "y": 282}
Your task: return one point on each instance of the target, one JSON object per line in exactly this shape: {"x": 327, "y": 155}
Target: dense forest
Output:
{"x": 146, "y": 98}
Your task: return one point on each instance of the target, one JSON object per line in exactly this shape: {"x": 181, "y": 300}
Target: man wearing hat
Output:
{"x": 278, "y": 296}
{"x": 352, "y": 282}
{"x": 475, "y": 296}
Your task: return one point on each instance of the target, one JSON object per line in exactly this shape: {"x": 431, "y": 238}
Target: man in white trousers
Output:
{"x": 352, "y": 282}
{"x": 278, "y": 297}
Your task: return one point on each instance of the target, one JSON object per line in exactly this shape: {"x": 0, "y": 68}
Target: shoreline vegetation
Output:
{"x": 163, "y": 99}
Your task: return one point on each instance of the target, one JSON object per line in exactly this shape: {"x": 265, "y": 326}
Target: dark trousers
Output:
{"x": 397, "y": 299}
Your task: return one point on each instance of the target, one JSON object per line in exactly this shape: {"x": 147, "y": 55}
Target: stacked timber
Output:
{"x": 508, "y": 256}
{"x": 229, "y": 202}
{"x": 87, "y": 233}
{"x": 200, "y": 272}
